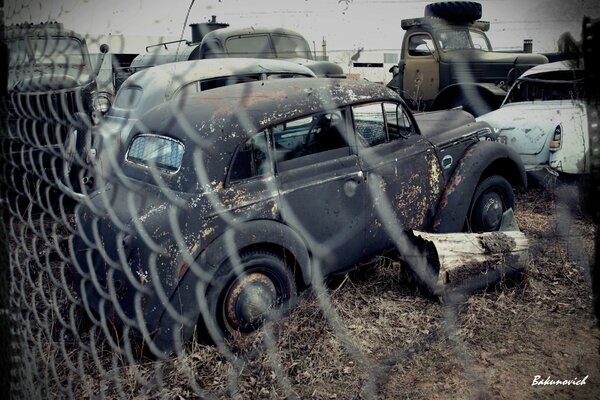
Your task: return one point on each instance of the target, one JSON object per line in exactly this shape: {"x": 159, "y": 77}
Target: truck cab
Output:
{"x": 447, "y": 61}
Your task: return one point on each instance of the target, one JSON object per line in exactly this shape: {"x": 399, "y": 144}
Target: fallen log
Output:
{"x": 471, "y": 261}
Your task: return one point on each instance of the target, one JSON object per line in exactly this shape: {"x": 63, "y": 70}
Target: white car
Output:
{"x": 150, "y": 87}
{"x": 544, "y": 118}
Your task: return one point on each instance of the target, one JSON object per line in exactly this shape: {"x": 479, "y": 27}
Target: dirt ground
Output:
{"x": 379, "y": 338}
{"x": 371, "y": 334}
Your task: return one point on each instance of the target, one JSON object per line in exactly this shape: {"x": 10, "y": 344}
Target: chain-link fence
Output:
{"x": 182, "y": 250}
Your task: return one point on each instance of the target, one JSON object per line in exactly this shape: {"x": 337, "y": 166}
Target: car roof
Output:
{"x": 565, "y": 65}
{"x": 223, "y": 33}
{"x": 253, "y": 106}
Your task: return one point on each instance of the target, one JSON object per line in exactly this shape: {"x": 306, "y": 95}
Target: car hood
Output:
{"x": 442, "y": 127}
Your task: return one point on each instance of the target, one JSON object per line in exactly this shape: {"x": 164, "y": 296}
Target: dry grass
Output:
{"x": 380, "y": 338}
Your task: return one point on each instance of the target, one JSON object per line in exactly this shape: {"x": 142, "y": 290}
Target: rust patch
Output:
{"x": 183, "y": 269}
{"x": 207, "y": 232}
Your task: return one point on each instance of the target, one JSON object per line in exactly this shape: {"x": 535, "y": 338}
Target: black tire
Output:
{"x": 265, "y": 278}
{"x": 455, "y": 11}
{"x": 493, "y": 196}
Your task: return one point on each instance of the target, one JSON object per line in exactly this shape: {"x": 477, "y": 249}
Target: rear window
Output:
{"x": 156, "y": 151}
{"x": 207, "y": 84}
{"x": 249, "y": 46}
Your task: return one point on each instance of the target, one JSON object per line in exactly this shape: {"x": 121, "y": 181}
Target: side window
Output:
{"x": 250, "y": 160}
{"x": 314, "y": 134}
{"x": 370, "y": 124}
{"x": 420, "y": 45}
{"x": 156, "y": 151}
{"x": 397, "y": 121}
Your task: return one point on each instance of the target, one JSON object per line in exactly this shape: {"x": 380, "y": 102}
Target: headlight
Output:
{"x": 102, "y": 102}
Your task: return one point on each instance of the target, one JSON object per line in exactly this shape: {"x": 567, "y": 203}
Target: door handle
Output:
{"x": 351, "y": 184}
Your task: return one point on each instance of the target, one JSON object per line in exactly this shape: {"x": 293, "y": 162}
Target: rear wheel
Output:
{"x": 242, "y": 301}
{"x": 492, "y": 198}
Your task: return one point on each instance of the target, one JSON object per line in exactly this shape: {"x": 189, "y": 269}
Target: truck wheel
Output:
{"x": 492, "y": 198}
{"x": 455, "y": 11}
{"x": 241, "y": 302}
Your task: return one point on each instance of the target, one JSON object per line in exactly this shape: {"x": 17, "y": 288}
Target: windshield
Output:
{"x": 286, "y": 46}
{"x": 57, "y": 50}
{"x": 462, "y": 39}
{"x": 18, "y": 55}
{"x": 544, "y": 87}
{"x": 47, "y": 51}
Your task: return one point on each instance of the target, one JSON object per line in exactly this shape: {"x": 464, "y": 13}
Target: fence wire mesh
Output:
{"x": 113, "y": 293}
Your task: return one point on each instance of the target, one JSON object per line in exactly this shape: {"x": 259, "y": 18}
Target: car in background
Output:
{"x": 152, "y": 86}
{"x": 544, "y": 118}
{"x": 217, "y": 40}
{"x": 234, "y": 201}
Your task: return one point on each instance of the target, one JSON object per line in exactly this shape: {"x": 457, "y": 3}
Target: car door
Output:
{"x": 401, "y": 169}
{"x": 421, "y": 75}
{"x": 321, "y": 187}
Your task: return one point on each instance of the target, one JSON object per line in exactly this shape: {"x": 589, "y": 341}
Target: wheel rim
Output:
{"x": 490, "y": 210}
{"x": 248, "y": 299}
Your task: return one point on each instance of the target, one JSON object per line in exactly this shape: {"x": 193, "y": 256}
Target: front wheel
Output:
{"x": 493, "y": 196}
{"x": 261, "y": 285}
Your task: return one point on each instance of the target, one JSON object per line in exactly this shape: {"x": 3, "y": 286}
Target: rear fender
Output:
{"x": 483, "y": 159}
{"x": 172, "y": 331}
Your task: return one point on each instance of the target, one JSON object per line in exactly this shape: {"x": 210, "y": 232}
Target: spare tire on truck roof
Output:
{"x": 454, "y": 11}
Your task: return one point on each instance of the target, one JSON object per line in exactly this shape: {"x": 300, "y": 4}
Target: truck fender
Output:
{"x": 483, "y": 159}
{"x": 172, "y": 331}
{"x": 476, "y": 98}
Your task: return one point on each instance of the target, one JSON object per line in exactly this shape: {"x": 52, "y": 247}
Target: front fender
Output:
{"x": 172, "y": 331}
{"x": 483, "y": 159}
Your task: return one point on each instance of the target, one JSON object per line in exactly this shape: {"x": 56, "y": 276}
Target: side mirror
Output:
{"x": 103, "y": 50}
{"x": 394, "y": 70}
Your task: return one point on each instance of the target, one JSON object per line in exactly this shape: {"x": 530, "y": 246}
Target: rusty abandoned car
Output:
{"x": 233, "y": 202}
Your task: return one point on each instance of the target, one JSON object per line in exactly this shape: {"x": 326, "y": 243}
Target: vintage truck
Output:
{"x": 52, "y": 90}
{"x": 447, "y": 61}
{"x": 217, "y": 40}
{"x": 51, "y": 74}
